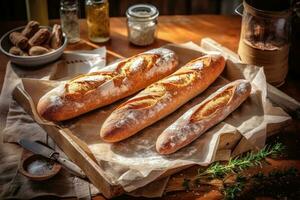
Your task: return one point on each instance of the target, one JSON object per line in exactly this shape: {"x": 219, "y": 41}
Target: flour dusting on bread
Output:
{"x": 203, "y": 116}
{"x": 242, "y": 87}
{"x": 97, "y": 89}
{"x": 162, "y": 98}
{"x": 136, "y": 64}
{"x": 197, "y": 65}
{"x": 55, "y": 100}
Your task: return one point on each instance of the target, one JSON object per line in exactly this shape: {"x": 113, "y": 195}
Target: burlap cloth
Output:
{"x": 250, "y": 128}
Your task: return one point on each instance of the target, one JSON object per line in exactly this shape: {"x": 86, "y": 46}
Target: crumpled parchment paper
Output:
{"x": 134, "y": 162}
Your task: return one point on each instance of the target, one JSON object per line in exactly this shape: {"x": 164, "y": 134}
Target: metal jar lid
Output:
{"x": 142, "y": 12}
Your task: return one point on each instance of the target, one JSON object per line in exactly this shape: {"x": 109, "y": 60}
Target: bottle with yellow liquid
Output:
{"x": 37, "y": 10}
{"x": 97, "y": 15}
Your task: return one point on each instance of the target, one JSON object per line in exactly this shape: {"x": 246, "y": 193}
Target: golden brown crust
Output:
{"x": 79, "y": 86}
{"x": 162, "y": 98}
{"x": 90, "y": 91}
{"x": 210, "y": 107}
{"x": 203, "y": 116}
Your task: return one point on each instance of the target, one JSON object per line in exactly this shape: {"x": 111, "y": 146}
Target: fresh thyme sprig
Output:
{"x": 234, "y": 165}
{"x": 237, "y": 164}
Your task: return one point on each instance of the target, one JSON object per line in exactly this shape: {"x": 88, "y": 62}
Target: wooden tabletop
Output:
{"x": 180, "y": 29}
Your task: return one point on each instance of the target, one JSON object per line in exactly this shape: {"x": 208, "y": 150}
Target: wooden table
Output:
{"x": 179, "y": 29}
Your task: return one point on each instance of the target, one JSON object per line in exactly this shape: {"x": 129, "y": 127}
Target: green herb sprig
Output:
{"x": 230, "y": 192}
{"x": 237, "y": 164}
{"x": 233, "y": 166}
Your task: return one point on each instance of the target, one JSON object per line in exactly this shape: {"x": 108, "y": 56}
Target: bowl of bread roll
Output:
{"x": 33, "y": 45}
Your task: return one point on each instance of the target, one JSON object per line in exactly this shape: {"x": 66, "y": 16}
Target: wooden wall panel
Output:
{"x": 16, "y": 9}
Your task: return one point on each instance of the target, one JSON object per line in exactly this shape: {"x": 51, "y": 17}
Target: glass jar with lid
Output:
{"x": 97, "y": 15}
{"x": 141, "y": 24}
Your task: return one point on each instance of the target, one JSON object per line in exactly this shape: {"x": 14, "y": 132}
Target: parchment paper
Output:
{"x": 134, "y": 162}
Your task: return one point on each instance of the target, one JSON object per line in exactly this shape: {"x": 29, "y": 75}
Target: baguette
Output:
{"x": 93, "y": 90}
{"x": 162, "y": 98}
{"x": 203, "y": 116}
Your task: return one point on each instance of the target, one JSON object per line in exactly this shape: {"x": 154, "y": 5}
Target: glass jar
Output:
{"x": 69, "y": 19}
{"x": 141, "y": 24}
{"x": 265, "y": 38}
{"x": 97, "y": 15}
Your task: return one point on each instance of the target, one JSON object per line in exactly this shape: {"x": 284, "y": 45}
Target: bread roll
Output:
{"x": 56, "y": 37}
{"x": 162, "y": 98}
{"x": 90, "y": 91}
{"x": 203, "y": 116}
{"x": 30, "y": 29}
{"x": 40, "y": 37}
{"x": 18, "y": 40}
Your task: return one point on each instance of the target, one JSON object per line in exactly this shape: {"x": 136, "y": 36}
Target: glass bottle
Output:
{"x": 97, "y": 15}
{"x": 69, "y": 19}
{"x": 38, "y": 10}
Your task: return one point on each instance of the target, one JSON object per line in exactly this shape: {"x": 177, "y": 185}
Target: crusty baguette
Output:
{"x": 203, "y": 116}
{"x": 93, "y": 90}
{"x": 162, "y": 98}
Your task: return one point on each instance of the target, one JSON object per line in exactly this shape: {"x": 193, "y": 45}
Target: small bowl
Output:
{"x": 30, "y": 61}
{"x": 39, "y": 168}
